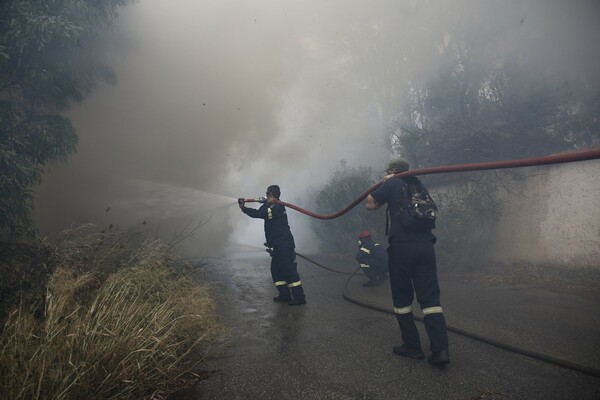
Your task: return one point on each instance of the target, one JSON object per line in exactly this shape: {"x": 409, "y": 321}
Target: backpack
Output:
{"x": 418, "y": 211}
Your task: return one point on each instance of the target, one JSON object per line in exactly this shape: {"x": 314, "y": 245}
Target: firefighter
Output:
{"x": 280, "y": 245}
{"x": 412, "y": 268}
{"x": 372, "y": 259}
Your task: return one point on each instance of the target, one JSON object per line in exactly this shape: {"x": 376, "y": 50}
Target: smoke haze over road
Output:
{"x": 228, "y": 97}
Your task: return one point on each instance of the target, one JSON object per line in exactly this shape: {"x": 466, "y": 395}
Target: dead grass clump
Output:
{"x": 136, "y": 333}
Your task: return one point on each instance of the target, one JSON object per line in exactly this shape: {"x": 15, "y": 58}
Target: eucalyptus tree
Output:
{"x": 45, "y": 65}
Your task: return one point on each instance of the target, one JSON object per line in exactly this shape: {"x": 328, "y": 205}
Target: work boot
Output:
{"x": 280, "y": 299}
{"x": 296, "y": 302}
{"x": 372, "y": 282}
{"x": 439, "y": 359}
{"x": 408, "y": 352}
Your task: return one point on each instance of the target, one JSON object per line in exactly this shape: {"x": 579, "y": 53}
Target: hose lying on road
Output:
{"x": 323, "y": 266}
{"x": 529, "y": 353}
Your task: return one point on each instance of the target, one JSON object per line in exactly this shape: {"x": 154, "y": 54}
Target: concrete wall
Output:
{"x": 552, "y": 217}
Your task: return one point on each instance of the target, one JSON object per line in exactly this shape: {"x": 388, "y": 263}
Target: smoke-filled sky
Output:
{"x": 228, "y": 97}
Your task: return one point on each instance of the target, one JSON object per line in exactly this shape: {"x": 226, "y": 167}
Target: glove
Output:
{"x": 241, "y": 202}
{"x": 268, "y": 249}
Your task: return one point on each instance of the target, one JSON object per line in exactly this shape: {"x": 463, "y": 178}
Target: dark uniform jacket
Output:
{"x": 391, "y": 193}
{"x": 277, "y": 230}
{"x": 372, "y": 254}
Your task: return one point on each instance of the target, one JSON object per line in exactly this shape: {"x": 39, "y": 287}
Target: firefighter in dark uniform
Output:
{"x": 280, "y": 244}
{"x": 373, "y": 259}
{"x": 412, "y": 268}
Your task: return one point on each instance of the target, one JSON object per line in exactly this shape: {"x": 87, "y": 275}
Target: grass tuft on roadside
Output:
{"x": 120, "y": 320}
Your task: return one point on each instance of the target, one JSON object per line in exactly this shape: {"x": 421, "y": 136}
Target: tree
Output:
{"x": 344, "y": 185}
{"x": 485, "y": 103}
{"x": 44, "y": 67}
{"x": 488, "y": 99}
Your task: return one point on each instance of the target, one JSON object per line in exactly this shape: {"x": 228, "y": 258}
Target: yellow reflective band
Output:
{"x": 365, "y": 266}
{"x": 403, "y": 310}
{"x": 365, "y": 250}
{"x": 269, "y": 213}
{"x": 294, "y": 284}
{"x": 280, "y": 283}
{"x": 432, "y": 310}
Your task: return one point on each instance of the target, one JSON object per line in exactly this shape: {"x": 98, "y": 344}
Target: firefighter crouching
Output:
{"x": 373, "y": 260}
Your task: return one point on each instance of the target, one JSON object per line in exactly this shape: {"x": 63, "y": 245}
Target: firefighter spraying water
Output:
{"x": 280, "y": 245}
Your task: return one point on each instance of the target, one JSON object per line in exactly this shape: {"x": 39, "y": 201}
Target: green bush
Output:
{"x": 343, "y": 187}
{"x": 468, "y": 211}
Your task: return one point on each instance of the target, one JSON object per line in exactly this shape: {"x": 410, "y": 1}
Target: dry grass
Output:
{"x": 136, "y": 332}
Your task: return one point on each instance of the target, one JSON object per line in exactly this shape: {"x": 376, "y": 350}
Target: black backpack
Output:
{"x": 418, "y": 211}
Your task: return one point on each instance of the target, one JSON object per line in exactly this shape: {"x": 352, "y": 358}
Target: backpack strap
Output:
{"x": 387, "y": 220}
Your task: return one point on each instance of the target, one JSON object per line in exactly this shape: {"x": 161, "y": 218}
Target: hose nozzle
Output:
{"x": 242, "y": 200}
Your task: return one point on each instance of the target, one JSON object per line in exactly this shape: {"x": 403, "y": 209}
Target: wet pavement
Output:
{"x": 333, "y": 349}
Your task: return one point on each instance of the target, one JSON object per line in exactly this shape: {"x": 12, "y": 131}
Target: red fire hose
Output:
{"x": 525, "y": 162}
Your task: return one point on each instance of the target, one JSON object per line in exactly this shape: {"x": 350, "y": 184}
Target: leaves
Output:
{"x": 343, "y": 186}
{"x": 45, "y": 65}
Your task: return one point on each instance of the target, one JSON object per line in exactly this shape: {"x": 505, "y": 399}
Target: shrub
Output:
{"x": 132, "y": 333}
{"x": 468, "y": 212}
{"x": 344, "y": 186}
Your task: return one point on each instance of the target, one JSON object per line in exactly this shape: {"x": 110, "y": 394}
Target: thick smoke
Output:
{"x": 228, "y": 97}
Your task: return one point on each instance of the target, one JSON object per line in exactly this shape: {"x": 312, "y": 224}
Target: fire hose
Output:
{"x": 518, "y": 163}
{"x": 560, "y": 158}
{"x": 480, "y": 338}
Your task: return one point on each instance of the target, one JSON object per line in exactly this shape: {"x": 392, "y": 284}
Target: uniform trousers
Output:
{"x": 284, "y": 271}
{"x": 413, "y": 269}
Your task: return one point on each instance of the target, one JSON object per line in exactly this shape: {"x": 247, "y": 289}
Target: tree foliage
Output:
{"x": 478, "y": 107}
{"x": 43, "y": 68}
{"x": 344, "y": 185}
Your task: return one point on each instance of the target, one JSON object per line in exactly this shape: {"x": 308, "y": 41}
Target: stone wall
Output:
{"x": 551, "y": 217}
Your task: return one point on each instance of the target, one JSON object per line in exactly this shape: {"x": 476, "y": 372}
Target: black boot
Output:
{"x": 284, "y": 294}
{"x": 371, "y": 283}
{"x": 439, "y": 359}
{"x": 297, "y": 302}
{"x": 297, "y": 293}
{"x": 408, "y": 352}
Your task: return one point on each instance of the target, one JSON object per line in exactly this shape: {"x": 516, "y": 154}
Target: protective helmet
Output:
{"x": 398, "y": 165}
{"x": 364, "y": 234}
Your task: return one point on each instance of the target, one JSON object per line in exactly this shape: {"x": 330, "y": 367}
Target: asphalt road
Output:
{"x": 333, "y": 349}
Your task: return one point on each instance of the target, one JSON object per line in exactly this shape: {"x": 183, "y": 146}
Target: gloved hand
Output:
{"x": 268, "y": 249}
{"x": 241, "y": 202}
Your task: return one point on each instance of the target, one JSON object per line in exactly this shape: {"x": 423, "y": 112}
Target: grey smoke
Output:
{"x": 228, "y": 97}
